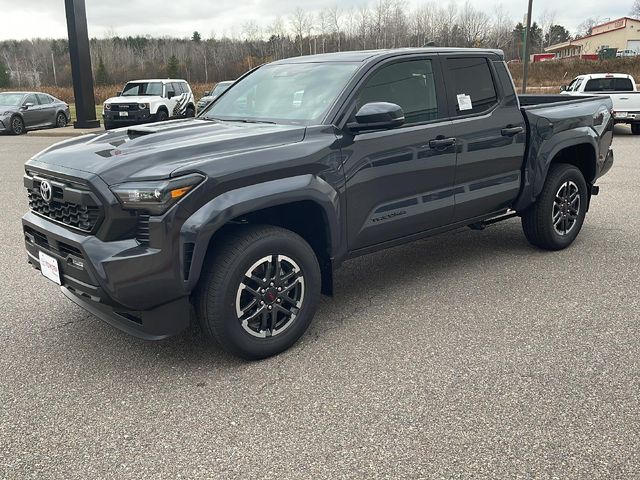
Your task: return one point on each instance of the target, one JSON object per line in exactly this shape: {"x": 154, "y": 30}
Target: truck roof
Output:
{"x": 606, "y": 75}
{"x": 367, "y": 55}
{"x": 163, "y": 80}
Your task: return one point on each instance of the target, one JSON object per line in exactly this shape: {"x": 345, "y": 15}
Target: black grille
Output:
{"x": 124, "y": 107}
{"x": 78, "y": 216}
{"x": 142, "y": 234}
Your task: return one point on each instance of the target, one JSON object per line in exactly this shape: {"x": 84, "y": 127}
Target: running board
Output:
{"x": 485, "y": 223}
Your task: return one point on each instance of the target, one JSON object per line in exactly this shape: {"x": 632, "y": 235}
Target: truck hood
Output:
{"x": 133, "y": 99}
{"x": 156, "y": 151}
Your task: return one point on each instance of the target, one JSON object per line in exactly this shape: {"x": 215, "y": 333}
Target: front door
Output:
{"x": 400, "y": 181}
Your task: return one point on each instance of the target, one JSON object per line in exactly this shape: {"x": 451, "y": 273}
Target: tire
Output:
{"x": 17, "y": 126}
{"x": 191, "y": 112}
{"x": 108, "y": 125}
{"x": 161, "y": 116}
{"x": 635, "y": 128}
{"x": 563, "y": 200}
{"x": 61, "y": 120}
{"x": 233, "y": 309}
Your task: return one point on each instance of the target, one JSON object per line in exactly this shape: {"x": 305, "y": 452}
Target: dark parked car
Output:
{"x": 23, "y": 111}
{"x": 213, "y": 94}
{"x": 244, "y": 213}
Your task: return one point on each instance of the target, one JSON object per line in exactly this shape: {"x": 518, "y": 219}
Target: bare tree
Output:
{"x": 635, "y": 9}
{"x": 298, "y": 21}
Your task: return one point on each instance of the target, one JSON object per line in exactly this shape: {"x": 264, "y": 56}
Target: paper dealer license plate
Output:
{"x": 49, "y": 267}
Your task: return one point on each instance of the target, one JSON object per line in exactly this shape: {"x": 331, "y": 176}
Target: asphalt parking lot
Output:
{"x": 465, "y": 355}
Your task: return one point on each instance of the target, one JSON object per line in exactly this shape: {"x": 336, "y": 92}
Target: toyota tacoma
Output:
{"x": 238, "y": 218}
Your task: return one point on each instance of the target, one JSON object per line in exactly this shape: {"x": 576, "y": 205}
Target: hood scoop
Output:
{"x": 137, "y": 132}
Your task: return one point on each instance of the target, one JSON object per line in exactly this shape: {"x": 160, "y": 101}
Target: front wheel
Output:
{"x": 258, "y": 291}
{"x": 555, "y": 220}
{"x": 17, "y": 126}
{"x": 191, "y": 112}
{"x": 161, "y": 116}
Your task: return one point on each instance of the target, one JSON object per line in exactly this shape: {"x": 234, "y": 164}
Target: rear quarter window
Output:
{"x": 471, "y": 77}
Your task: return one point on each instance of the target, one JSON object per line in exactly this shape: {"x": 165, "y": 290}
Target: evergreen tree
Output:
{"x": 4, "y": 75}
{"x": 102, "y": 76}
{"x": 196, "y": 37}
{"x": 173, "y": 67}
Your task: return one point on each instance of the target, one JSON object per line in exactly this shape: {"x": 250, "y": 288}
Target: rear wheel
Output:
{"x": 191, "y": 112}
{"x": 17, "y": 126}
{"x": 259, "y": 291}
{"x": 61, "y": 120}
{"x": 635, "y": 128}
{"x": 556, "y": 218}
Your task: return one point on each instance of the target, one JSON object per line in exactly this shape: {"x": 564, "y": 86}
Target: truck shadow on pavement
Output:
{"x": 438, "y": 262}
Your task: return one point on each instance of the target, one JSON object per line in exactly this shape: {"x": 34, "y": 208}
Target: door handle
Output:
{"x": 510, "y": 131}
{"x": 440, "y": 143}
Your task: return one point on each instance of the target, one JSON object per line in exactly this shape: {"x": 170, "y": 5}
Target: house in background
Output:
{"x": 622, "y": 34}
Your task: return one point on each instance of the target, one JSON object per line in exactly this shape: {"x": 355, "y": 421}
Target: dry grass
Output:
{"x": 544, "y": 77}
{"x": 556, "y": 73}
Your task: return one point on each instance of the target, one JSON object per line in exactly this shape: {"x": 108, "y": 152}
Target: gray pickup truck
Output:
{"x": 242, "y": 214}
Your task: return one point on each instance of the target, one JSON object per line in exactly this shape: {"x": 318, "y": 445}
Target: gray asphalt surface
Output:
{"x": 466, "y": 355}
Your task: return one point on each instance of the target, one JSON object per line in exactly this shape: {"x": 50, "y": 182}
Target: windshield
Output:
{"x": 299, "y": 93}
{"x": 142, "y": 88}
{"x": 10, "y": 99}
{"x": 219, "y": 88}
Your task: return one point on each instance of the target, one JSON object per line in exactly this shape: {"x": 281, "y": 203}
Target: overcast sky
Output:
{"x": 45, "y": 18}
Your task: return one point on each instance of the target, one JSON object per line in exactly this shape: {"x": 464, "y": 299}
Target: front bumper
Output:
{"x": 119, "y": 281}
{"x": 134, "y": 117}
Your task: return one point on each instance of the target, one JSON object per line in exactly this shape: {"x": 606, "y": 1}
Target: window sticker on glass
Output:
{"x": 464, "y": 102}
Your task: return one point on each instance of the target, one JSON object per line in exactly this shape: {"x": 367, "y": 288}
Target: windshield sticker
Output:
{"x": 464, "y": 102}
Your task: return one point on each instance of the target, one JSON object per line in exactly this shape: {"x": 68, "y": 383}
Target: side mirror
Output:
{"x": 27, "y": 106}
{"x": 171, "y": 94}
{"x": 206, "y": 94}
{"x": 118, "y": 94}
{"x": 563, "y": 88}
{"x": 377, "y": 116}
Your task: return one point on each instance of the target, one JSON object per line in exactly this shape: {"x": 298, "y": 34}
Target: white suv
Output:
{"x": 144, "y": 101}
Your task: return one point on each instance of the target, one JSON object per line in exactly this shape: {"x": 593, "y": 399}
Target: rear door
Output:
{"x": 490, "y": 134}
{"x": 399, "y": 181}
{"x": 48, "y": 108}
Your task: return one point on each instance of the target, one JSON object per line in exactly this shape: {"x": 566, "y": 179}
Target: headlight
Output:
{"x": 156, "y": 197}
{"x": 143, "y": 106}
{"x": 107, "y": 106}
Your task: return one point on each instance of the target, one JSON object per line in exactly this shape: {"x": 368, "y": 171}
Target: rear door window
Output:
{"x": 410, "y": 84}
{"x": 44, "y": 99}
{"x": 470, "y": 86}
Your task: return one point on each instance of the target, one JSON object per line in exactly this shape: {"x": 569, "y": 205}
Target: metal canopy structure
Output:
{"x": 81, "y": 64}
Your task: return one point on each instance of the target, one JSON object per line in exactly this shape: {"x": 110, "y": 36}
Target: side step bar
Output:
{"x": 485, "y": 223}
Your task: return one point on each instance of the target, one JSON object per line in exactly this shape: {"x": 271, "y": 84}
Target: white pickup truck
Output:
{"x": 619, "y": 86}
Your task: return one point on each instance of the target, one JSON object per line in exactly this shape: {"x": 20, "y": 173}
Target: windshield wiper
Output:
{"x": 237, "y": 120}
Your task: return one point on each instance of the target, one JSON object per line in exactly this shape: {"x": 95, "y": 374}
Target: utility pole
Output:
{"x": 527, "y": 41}
{"x": 53, "y": 64}
{"x": 80, "y": 56}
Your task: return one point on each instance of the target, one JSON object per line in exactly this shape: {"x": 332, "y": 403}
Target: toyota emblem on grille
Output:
{"x": 46, "y": 192}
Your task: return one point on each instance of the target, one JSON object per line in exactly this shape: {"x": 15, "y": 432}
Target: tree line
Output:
{"x": 385, "y": 24}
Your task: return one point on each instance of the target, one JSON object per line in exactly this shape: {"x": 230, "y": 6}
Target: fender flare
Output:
{"x": 546, "y": 150}
{"x": 208, "y": 219}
